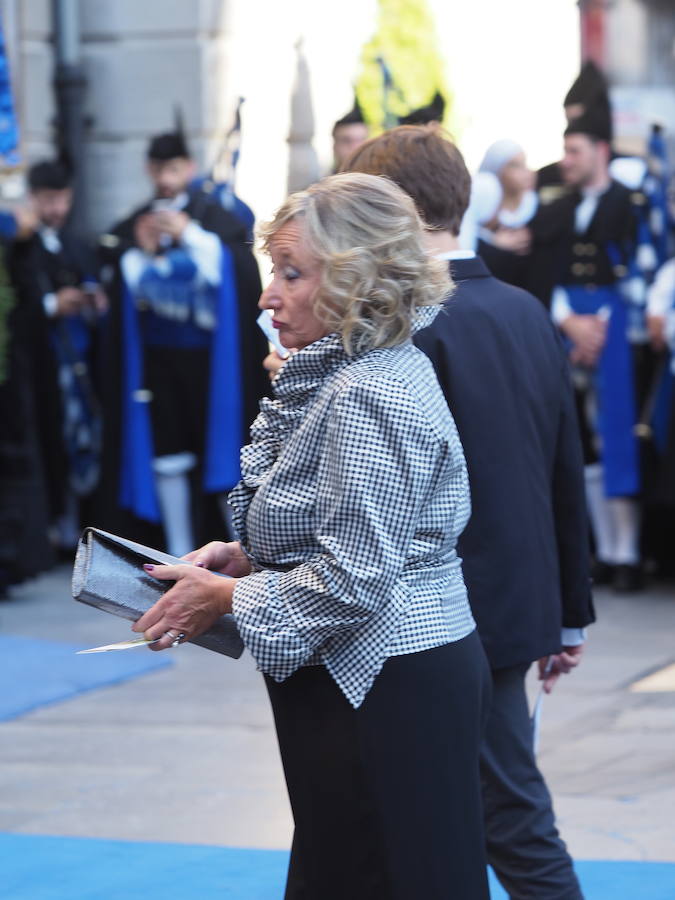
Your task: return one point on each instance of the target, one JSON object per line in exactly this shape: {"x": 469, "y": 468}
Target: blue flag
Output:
{"x": 9, "y": 129}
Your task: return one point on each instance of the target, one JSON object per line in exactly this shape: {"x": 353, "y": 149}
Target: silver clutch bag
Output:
{"x": 108, "y": 574}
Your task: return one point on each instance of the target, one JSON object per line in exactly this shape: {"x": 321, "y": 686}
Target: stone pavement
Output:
{"x": 188, "y": 754}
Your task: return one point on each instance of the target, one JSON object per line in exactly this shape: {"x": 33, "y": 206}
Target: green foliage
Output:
{"x": 7, "y": 301}
{"x": 406, "y": 40}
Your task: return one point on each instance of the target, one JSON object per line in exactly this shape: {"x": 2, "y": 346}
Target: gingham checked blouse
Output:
{"x": 354, "y": 491}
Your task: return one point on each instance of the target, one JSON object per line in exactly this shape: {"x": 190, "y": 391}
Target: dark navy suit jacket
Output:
{"x": 504, "y": 374}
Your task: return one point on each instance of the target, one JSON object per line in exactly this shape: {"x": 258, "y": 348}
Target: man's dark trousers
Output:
{"x": 523, "y": 845}
{"x": 504, "y": 373}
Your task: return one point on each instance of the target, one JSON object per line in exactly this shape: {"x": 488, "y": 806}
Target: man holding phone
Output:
{"x": 185, "y": 286}
{"x": 61, "y": 306}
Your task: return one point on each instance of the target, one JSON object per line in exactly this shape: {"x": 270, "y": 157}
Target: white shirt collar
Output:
{"x": 594, "y": 191}
{"x": 50, "y": 239}
{"x": 456, "y": 254}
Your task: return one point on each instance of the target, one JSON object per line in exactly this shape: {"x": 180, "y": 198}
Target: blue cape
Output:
{"x": 225, "y": 432}
{"x": 615, "y": 388}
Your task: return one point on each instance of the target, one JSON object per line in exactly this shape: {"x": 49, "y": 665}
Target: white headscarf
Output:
{"x": 496, "y": 157}
{"x": 498, "y": 154}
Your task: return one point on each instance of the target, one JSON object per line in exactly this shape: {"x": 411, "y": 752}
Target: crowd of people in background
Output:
{"x": 132, "y": 369}
{"x": 132, "y": 372}
{"x": 591, "y": 236}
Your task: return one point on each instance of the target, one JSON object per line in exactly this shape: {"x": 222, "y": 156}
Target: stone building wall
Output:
{"x": 635, "y": 44}
{"x": 140, "y": 59}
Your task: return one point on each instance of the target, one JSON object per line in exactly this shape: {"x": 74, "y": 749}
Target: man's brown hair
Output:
{"x": 423, "y": 161}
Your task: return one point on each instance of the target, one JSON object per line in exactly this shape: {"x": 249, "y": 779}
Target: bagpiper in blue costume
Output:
{"x": 190, "y": 372}
{"x": 599, "y": 304}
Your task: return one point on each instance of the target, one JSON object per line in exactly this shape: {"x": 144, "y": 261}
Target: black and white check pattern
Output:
{"x": 353, "y": 494}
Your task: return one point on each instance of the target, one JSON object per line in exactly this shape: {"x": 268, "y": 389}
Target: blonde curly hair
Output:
{"x": 367, "y": 234}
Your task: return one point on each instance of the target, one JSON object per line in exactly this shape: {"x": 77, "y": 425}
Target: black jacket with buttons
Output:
{"x": 562, "y": 256}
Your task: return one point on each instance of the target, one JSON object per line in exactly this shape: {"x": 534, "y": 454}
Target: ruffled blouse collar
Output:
{"x": 295, "y": 386}
{"x": 302, "y": 371}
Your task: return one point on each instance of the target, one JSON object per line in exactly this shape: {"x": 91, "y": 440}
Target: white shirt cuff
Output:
{"x": 560, "y": 305}
{"x": 133, "y": 264}
{"x": 205, "y": 251}
{"x": 50, "y": 304}
{"x": 573, "y": 637}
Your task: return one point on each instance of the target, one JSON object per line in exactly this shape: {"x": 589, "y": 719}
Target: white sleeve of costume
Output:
{"x": 205, "y": 251}
{"x": 661, "y": 294}
{"x": 134, "y": 263}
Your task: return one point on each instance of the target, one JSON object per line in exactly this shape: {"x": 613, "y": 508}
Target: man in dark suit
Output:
{"x": 60, "y": 310}
{"x": 504, "y": 374}
{"x": 24, "y": 516}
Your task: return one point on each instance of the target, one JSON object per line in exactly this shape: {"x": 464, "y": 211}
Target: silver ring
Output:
{"x": 179, "y": 638}
{"x": 169, "y": 634}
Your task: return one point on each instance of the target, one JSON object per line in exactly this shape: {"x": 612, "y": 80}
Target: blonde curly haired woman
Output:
{"x": 346, "y": 584}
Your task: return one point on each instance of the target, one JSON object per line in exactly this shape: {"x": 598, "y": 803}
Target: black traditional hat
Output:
{"x": 589, "y": 87}
{"x": 171, "y": 144}
{"x": 596, "y": 122}
{"x": 433, "y": 112}
{"x": 353, "y": 117}
{"x": 49, "y": 175}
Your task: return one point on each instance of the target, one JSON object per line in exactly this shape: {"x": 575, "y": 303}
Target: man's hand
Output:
{"x": 171, "y": 222}
{"x": 552, "y": 667}
{"x": 146, "y": 233}
{"x": 70, "y": 301}
{"x": 99, "y": 298}
{"x": 26, "y": 221}
{"x": 656, "y": 326}
{"x": 514, "y": 240}
{"x": 588, "y": 334}
{"x": 96, "y": 298}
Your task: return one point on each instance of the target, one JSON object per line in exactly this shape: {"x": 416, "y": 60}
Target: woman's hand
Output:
{"x": 197, "y": 600}
{"x": 218, "y": 556}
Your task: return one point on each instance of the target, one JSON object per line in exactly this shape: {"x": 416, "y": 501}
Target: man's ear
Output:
{"x": 606, "y": 151}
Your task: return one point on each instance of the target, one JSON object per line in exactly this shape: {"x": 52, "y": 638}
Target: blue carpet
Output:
{"x": 53, "y": 868}
{"x": 35, "y": 673}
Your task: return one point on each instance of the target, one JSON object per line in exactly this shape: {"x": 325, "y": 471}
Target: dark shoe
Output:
{"x": 602, "y": 573}
{"x": 627, "y": 579}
